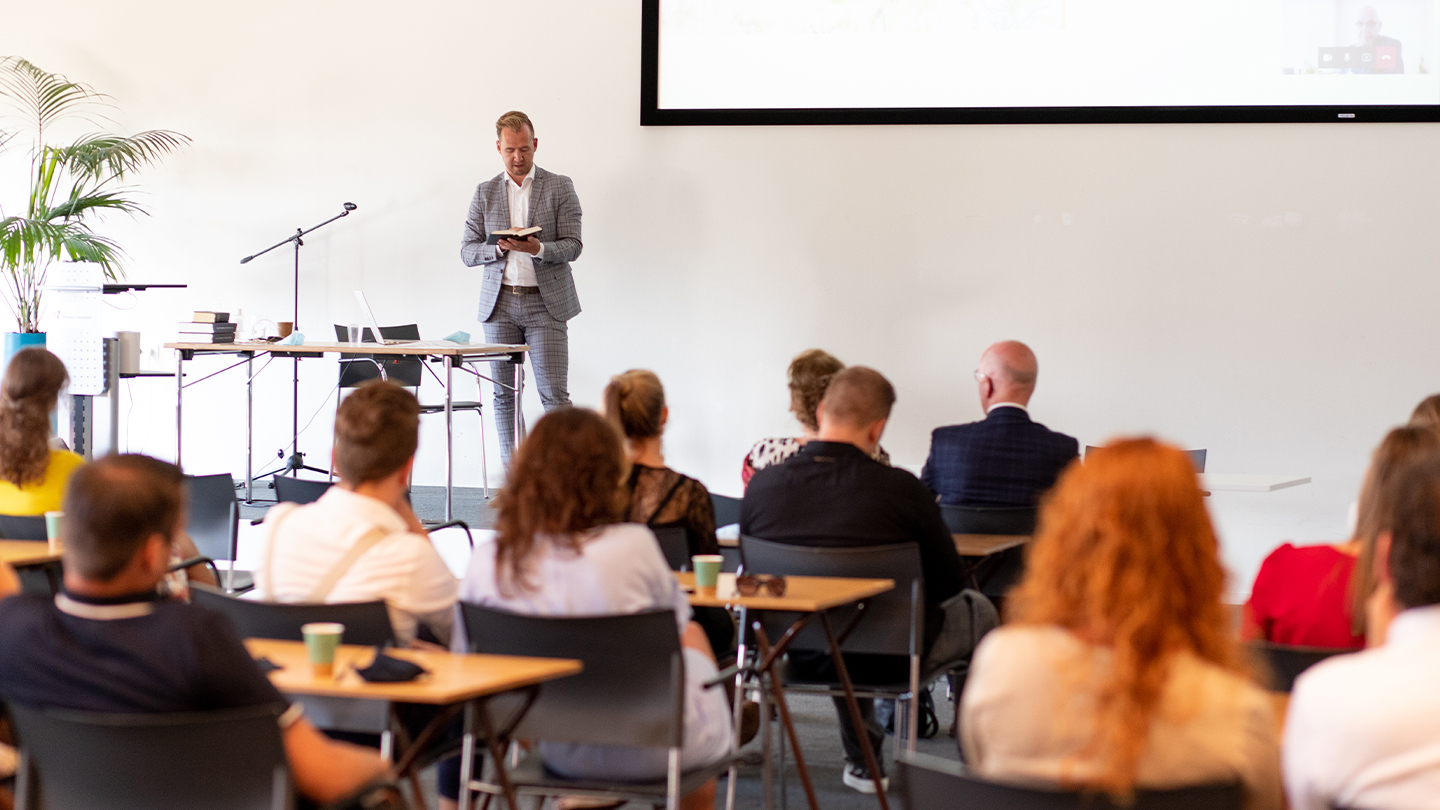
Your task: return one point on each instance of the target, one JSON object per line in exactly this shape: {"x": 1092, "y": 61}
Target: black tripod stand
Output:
{"x": 296, "y": 461}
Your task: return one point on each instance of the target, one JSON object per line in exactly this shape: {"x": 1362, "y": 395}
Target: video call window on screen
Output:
{"x": 1337, "y": 37}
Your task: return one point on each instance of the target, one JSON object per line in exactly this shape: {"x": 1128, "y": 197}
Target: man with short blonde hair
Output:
{"x": 527, "y": 293}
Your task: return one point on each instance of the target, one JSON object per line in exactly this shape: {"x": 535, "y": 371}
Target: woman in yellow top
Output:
{"x": 32, "y": 475}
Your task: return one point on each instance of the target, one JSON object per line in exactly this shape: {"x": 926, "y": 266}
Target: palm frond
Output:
{"x": 110, "y": 156}
{"x": 23, "y": 240}
{"x": 44, "y": 97}
{"x": 78, "y": 204}
{"x": 82, "y": 245}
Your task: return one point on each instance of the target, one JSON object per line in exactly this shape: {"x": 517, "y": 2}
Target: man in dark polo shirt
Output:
{"x": 832, "y": 493}
{"x": 109, "y": 643}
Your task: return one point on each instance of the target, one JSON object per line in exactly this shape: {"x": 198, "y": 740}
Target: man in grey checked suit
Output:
{"x": 527, "y": 293}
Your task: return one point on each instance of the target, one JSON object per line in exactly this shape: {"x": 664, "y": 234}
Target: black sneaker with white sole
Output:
{"x": 858, "y": 778}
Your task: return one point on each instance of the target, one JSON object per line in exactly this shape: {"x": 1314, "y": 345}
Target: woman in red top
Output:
{"x": 1307, "y": 595}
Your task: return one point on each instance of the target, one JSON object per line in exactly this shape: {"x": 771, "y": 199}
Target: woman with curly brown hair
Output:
{"x": 1119, "y": 669}
{"x": 561, "y": 550}
{"x": 32, "y": 475}
{"x": 808, "y": 376}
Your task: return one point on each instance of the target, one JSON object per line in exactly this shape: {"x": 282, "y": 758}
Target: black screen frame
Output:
{"x": 651, "y": 115}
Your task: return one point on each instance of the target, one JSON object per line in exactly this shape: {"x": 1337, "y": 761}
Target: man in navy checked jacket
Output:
{"x": 1004, "y": 459}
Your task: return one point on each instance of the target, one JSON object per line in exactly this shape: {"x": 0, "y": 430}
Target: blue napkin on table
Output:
{"x": 458, "y": 337}
{"x": 292, "y": 339}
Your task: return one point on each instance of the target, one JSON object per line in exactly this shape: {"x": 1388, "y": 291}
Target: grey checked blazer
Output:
{"x": 556, "y": 209}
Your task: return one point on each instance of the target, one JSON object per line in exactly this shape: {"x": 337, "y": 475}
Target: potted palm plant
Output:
{"x": 70, "y": 183}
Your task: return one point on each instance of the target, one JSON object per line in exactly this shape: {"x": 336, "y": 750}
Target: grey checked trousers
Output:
{"x": 524, "y": 319}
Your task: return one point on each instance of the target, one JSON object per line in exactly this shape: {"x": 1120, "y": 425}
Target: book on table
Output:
{"x": 209, "y": 316}
{"x": 208, "y": 332}
{"x": 511, "y": 233}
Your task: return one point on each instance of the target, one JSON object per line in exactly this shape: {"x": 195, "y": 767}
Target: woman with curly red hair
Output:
{"x": 1119, "y": 669}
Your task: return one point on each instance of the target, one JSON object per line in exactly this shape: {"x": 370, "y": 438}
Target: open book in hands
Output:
{"x": 511, "y": 233}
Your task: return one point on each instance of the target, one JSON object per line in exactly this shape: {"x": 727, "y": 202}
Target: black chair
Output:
{"x": 214, "y": 524}
{"x": 1285, "y": 662}
{"x": 931, "y": 783}
{"x": 299, "y": 490}
{"x": 675, "y": 545}
{"x": 1016, "y": 520}
{"x": 893, "y": 623}
{"x": 404, "y": 370}
{"x": 23, "y": 527}
{"x": 1197, "y": 457}
{"x": 365, "y": 622}
{"x": 630, "y": 694}
{"x": 221, "y": 760}
{"x": 727, "y": 509}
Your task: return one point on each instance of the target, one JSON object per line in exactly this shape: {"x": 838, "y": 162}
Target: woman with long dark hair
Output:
{"x": 561, "y": 550}
{"x": 32, "y": 474}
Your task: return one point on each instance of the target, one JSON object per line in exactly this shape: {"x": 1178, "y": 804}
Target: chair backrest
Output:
{"x": 675, "y": 545}
{"x": 401, "y": 370}
{"x": 891, "y": 625}
{"x": 1285, "y": 662}
{"x": 727, "y": 509}
{"x": 631, "y": 691}
{"x": 1197, "y": 457}
{"x": 989, "y": 519}
{"x": 365, "y": 622}
{"x": 299, "y": 490}
{"x": 43, "y": 579}
{"x": 930, "y": 783}
{"x": 221, "y": 760}
{"x": 23, "y": 527}
{"x": 214, "y": 515}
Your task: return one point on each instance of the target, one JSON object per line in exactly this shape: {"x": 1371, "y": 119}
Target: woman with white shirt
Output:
{"x": 560, "y": 551}
{"x": 1119, "y": 669}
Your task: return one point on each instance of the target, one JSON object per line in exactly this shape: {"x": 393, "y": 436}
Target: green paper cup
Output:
{"x": 707, "y": 569}
{"x": 321, "y": 640}
{"x": 53, "y": 521}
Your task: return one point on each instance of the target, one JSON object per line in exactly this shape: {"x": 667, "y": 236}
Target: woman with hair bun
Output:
{"x": 808, "y": 376}
{"x": 32, "y": 474}
{"x": 1119, "y": 669}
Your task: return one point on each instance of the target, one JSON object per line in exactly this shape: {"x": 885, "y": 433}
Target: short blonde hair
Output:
{"x": 514, "y": 120}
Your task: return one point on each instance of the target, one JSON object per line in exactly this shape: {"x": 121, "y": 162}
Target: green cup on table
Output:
{"x": 321, "y": 641}
{"x": 53, "y": 523}
{"x": 707, "y": 569}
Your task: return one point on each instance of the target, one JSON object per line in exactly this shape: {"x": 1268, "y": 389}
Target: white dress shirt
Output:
{"x": 995, "y": 405}
{"x": 519, "y": 265}
{"x": 1363, "y": 730}
{"x": 404, "y": 569}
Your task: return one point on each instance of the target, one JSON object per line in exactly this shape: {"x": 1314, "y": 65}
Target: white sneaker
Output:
{"x": 857, "y": 778}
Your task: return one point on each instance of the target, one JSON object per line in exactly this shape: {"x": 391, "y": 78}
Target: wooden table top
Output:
{"x": 983, "y": 545}
{"x": 26, "y": 552}
{"x": 429, "y": 348}
{"x": 802, "y": 594}
{"x": 453, "y": 677}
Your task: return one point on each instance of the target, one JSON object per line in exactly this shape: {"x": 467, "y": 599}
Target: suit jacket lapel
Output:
{"x": 536, "y": 186}
{"x": 499, "y": 212}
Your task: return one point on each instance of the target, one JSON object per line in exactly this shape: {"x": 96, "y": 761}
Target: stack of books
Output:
{"x": 208, "y": 327}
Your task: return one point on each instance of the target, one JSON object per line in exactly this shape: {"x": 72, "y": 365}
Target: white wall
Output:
{"x": 1267, "y": 292}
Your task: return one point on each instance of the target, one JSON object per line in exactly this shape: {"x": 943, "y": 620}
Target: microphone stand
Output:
{"x": 296, "y": 461}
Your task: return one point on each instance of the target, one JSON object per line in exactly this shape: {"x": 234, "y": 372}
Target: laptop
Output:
{"x": 375, "y": 325}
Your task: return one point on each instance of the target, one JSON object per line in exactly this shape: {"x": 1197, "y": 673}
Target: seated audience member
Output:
{"x": 32, "y": 475}
{"x": 1427, "y": 414}
{"x": 810, "y": 372}
{"x": 1314, "y": 596}
{"x": 833, "y": 493}
{"x": 362, "y": 539}
{"x": 1361, "y": 730}
{"x": 108, "y": 643}
{"x": 561, "y": 550}
{"x": 1006, "y": 459}
{"x": 657, "y": 496}
{"x": 1119, "y": 669}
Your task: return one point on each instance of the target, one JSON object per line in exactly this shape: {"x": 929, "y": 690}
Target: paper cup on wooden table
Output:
{"x": 54, "y": 521}
{"x": 707, "y": 570}
{"x": 321, "y": 641}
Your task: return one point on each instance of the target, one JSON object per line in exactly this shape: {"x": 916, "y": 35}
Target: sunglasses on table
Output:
{"x": 752, "y": 584}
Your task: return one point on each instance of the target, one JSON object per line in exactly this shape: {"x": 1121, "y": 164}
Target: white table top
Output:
{"x": 1243, "y": 482}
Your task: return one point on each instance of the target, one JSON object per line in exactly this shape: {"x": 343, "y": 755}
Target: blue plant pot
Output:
{"x": 15, "y": 341}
